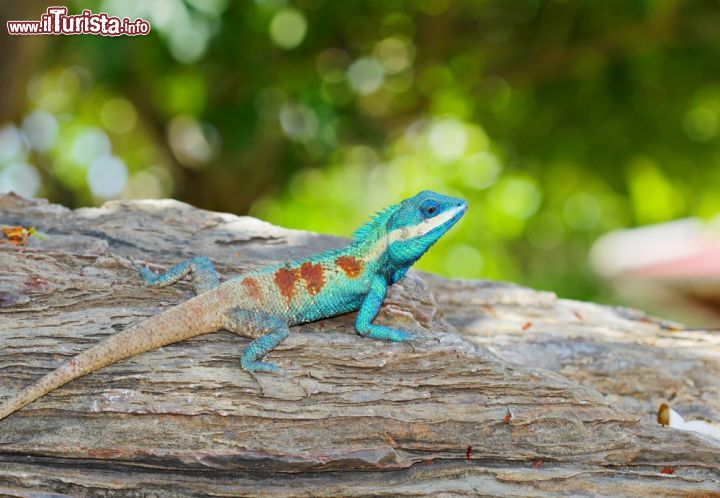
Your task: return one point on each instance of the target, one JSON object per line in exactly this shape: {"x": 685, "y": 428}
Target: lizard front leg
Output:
{"x": 204, "y": 275}
{"x": 248, "y": 323}
{"x": 369, "y": 310}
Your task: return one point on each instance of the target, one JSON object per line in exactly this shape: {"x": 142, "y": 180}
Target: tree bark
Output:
{"x": 506, "y": 391}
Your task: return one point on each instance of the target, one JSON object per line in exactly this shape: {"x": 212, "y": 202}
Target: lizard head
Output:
{"x": 417, "y": 223}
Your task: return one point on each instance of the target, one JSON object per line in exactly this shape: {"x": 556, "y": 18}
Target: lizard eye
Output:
{"x": 429, "y": 208}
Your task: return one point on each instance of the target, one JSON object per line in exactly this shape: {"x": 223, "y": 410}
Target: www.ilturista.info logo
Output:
{"x": 56, "y": 21}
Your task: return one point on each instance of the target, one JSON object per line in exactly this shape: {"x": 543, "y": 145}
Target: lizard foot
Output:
{"x": 400, "y": 336}
{"x": 278, "y": 371}
{"x": 262, "y": 366}
{"x": 381, "y": 333}
{"x": 147, "y": 275}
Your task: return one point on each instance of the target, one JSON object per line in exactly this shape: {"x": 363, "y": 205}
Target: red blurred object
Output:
{"x": 671, "y": 268}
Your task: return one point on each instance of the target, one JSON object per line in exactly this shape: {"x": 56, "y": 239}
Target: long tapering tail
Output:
{"x": 198, "y": 316}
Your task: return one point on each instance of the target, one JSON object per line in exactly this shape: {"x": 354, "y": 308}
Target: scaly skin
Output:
{"x": 262, "y": 305}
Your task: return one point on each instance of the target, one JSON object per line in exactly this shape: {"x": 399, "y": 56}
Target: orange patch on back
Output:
{"x": 285, "y": 279}
{"x": 352, "y": 267}
{"x": 252, "y": 288}
{"x": 313, "y": 276}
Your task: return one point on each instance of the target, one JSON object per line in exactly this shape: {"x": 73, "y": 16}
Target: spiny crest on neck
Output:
{"x": 376, "y": 227}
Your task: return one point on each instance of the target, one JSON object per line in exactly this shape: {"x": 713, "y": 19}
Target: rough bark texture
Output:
{"x": 354, "y": 417}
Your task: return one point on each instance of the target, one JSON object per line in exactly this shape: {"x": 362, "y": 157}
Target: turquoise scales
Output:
{"x": 263, "y": 304}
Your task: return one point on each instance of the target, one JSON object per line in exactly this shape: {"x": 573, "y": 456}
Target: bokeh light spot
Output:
{"x": 40, "y": 129}
{"x": 118, "y": 115}
{"x": 653, "y": 196}
{"x": 517, "y": 197}
{"x": 55, "y": 90}
{"x": 11, "y": 144}
{"x": 147, "y": 184}
{"x": 90, "y": 144}
{"x": 480, "y": 171}
{"x": 107, "y": 177}
{"x": 299, "y": 122}
{"x": 287, "y": 28}
{"x": 20, "y": 178}
{"x": 365, "y": 75}
{"x": 188, "y": 41}
{"x": 701, "y": 123}
{"x": 447, "y": 139}
{"x": 394, "y": 54}
{"x": 193, "y": 143}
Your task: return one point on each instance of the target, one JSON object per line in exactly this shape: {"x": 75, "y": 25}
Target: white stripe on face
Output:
{"x": 425, "y": 226}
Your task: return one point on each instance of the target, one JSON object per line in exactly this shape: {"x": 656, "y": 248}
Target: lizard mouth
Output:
{"x": 455, "y": 214}
{"x": 443, "y": 221}
{"x": 447, "y": 219}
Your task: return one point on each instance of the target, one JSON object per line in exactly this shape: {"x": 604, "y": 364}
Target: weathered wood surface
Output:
{"x": 353, "y": 417}
{"x": 636, "y": 361}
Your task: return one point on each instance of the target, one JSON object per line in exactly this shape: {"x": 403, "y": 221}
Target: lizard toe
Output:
{"x": 400, "y": 336}
{"x": 262, "y": 366}
{"x": 148, "y": 276}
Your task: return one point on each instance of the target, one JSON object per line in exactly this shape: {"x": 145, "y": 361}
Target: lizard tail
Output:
{"x": 195, "y": 317}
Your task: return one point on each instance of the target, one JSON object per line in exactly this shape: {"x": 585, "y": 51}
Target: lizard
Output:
{"x": 263, "y": 304}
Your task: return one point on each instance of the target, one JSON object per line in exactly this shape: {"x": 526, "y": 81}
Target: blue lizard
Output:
{"x": 263, "y": 304}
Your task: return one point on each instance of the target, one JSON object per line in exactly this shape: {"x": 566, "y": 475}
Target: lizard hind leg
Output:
{"x": 204, "y": 275}
{"x": 249, "y": 323}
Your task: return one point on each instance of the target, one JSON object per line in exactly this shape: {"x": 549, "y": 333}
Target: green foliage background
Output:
{"x": 556, "y": 120}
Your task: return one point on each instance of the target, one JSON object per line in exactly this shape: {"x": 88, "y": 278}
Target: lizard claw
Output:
{"x": 262, "y": 366}
{"x": 381, "y": 333}
{"x": 147, "y": 275}
{"x": 400, "y": 336}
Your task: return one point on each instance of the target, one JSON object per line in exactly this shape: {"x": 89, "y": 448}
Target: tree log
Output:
{"x": 506, "y": 391}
